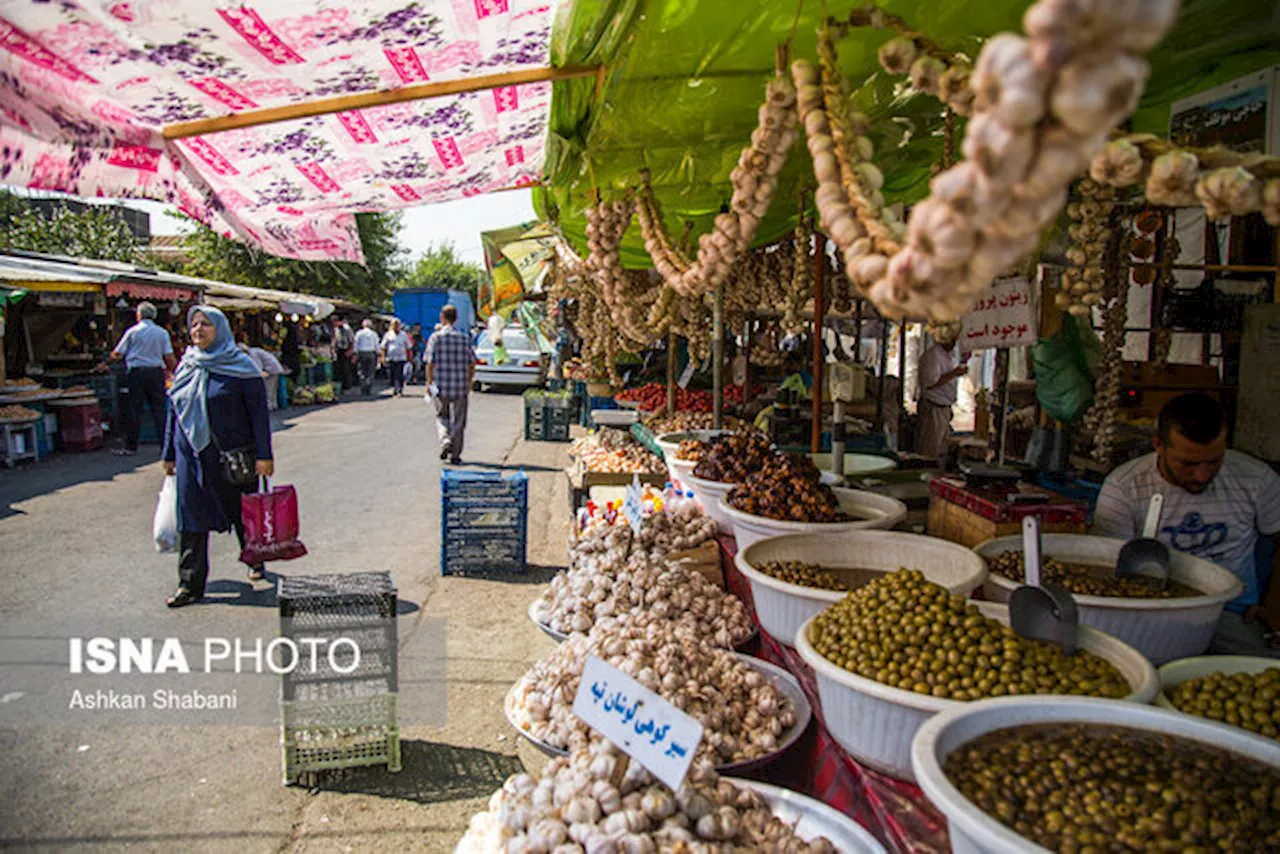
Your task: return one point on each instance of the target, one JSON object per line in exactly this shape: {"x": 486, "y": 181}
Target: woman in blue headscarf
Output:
{"x": 217, "y": 408}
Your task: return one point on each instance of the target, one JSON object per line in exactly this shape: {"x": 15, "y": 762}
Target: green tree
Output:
{"x": 441, "y": 268}
{"x": 96, "y": 233}
{"x": 226, "y": 260}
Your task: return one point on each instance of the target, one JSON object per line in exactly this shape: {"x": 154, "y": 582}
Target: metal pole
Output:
{"x": 1002, "y": 395}
{"x": 717, "y": 360}
{"x": 819, "y": 276}
{"x": 671, "y": 374}
{"x": 902, "y": 367}
{"x": 884, "y": 366}
{"x": 857, "y": 331}
{"x": 746, "y": 355}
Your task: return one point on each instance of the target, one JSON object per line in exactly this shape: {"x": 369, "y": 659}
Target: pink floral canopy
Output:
{"x": 86, "y": 87}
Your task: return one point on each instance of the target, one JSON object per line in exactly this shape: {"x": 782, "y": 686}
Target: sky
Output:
{"x": 460, "y": 221}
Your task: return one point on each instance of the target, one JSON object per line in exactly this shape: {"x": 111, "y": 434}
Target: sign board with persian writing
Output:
{"x": 633, "y": 505}
{"x": 646, "y": 727}
{"x": 1004, "y": 316}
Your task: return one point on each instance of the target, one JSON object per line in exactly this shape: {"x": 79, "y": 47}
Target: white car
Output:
{"x": 525, "y": 365}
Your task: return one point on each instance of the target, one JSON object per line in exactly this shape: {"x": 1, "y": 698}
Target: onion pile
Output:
{"x": 575, "y": 806}
{"x": 743, "y": 715}
{"x": 612, "y": 450}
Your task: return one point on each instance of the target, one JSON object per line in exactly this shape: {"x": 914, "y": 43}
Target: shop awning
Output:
{"x": 272, "y": 123}
{"x": 167, "y": 293}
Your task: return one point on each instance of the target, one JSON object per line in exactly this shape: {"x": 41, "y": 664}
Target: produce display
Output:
{"x": 308, "y": 395}
{"x": 18, "y": 384}
{"x": 804, "y": 575}
{"x": 788, "y": 487}
{"x": 17, "y": 412}
{"x": 1085, "y": 580}
{"x": 681, "y": 422}
{"x": 742, "y": 714}
{"x": 612, "y": 450}
{"x": 693, "y": 450}
{"x": 653, "y": 397}
{"x": 574, "y": 805}
{"x": 670, "y": 525}
{"x": 909, "y": 633}
{"x": 735, "y": 457}
{"x": 1080, "y": 787}
{"x": 1247, "y": 700}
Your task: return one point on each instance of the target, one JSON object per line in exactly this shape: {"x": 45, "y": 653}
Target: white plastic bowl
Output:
{"x": 709, "y": 494}
{"x": 1175, "y": 673}
{"x": 854, "y": 464}
{"x": 1161, "y": 629}
{"x": 876, "y": 722}
{"x": 877, "y": 512}
{"x": 669, "y": 442}
{"x": 812, "y": 818}
{"x": 782, "y": 608}
{"x": 972, "y": 830}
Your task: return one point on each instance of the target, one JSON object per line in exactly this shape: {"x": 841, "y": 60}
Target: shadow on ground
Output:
{"x": 432, "y": 773}
{"x": 532, "y": 575}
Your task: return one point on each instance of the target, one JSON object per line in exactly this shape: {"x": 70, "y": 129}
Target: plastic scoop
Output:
{"x": 1037, "y": 610}
{"x": 1146, "y": 556}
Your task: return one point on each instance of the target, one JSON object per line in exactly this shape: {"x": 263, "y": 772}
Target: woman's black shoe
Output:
{"x": 257, "y": 573}
{"x": 181, "y": 597}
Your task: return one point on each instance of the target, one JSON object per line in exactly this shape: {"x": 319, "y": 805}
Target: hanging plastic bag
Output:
{"x": 164, "y": 528}
{"x": 271, "y": 525}
{"x": 1064, "y": 367}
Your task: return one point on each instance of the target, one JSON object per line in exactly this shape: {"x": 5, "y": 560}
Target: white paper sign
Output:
{"x": 633, "y": 505}
{"x": 1004, "y": 316}
{"x": 646, "y": 727}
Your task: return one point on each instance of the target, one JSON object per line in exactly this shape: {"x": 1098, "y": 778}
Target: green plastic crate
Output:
{"x": 319, "y": 735}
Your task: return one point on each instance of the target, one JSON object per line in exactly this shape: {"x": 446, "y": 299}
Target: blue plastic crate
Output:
{"x": 470, "y": 487}
{"x": 477, "y": 555}
{"x": 589, "y": 403}
{"x": 483, "y": 519}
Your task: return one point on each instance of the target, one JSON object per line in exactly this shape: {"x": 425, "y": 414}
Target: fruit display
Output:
{"x": 610, "y": 585}
{"x": 1083, "y": 787}
{"x": 17, "y": 412}
{"x": 612, "y": 450}
{"x": 652, "y": 397}
{"x": 1248, "y": 700}
{"x": 742, "y": 714}
{"x": 580, "y": 803}
{"x": 1084, "y": 580}
{"x": 907, "y": 632}
{"x": 692, "y": 450}
{"x": 804, "y": 575}
{"x": 787, "y": 487}
{"x": 735, "y": 457}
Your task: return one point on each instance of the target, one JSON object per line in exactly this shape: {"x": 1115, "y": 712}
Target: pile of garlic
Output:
{"x": 580, "y": 805}
{"x": 1083, "y": 280}
{"x": 929, "y": 70}
{"x": 1043, "y": 107}
{"x": 665, "y": 532}
{"x": 743, "y": 716}
{"x": 754, "y": 179}
{"x": 611, "y": 585}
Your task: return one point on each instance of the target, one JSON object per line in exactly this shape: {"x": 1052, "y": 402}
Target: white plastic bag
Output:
{"x": 165, "y": 527}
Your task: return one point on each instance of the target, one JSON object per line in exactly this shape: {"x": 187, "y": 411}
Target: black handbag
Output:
{"x": 239, "y": 465}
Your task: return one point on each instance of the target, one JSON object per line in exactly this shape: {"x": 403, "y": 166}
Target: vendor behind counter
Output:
{"x": 1218, "y": 504}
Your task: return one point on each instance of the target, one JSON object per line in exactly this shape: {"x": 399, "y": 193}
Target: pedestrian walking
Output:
{"x": 418, "y": 353}
{"x": 344, "y": 343}
{"x": 395, "y": 348}
{"x": 217, "y": 440}
{"x": 451, "y": 368}
{"x": 366, "y": 356}
{"x": 147, "y": 352}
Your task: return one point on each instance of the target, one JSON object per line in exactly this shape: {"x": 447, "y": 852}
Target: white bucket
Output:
{"x": 709, "y": 494}
{"x": 1175, "y": 673}
{"x": 878, "y": 512}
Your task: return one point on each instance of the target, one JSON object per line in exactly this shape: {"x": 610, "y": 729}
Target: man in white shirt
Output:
{"x": 147, "y": 353}
{"x": 367, "y": 356}
{"x": 1217, "y": 505}
{"x": 939, "y": 375}
{"x": 395, "y": 347}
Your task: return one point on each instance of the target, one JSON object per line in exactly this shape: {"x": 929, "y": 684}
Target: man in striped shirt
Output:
{"x": 451, "y": 368}
{"x": 1218, "y": 504}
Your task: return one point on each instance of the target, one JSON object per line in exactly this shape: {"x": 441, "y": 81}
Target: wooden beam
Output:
{"x": 819, "y": 285}
{"x": 362, "y": 100}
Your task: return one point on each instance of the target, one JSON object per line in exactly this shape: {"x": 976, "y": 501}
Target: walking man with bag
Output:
{"x": 367, "y": 345}
{"x": 147, "y": 353}
{"x": 451, "y": 368}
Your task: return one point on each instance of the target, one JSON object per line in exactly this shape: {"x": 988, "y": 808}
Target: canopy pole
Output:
{"x": 343, "y": 103}
{"x": 671, "y": 374}
{"x": 819, "y": 277}
{"x": 902, "y": 367}
{"x": 884, "y": 367}
{"x": 717, "y": 360}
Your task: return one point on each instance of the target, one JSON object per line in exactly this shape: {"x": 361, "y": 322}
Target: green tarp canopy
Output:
{"x": 685, "y": 78}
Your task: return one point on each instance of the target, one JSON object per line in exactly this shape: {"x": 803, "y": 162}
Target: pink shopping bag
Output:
{"x": 270, "y": 525}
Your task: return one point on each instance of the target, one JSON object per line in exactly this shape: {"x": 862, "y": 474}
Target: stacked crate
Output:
{"x": 547, "y": 417}
{"x": 483, "y": 522}
{"x": 339, "y": 713}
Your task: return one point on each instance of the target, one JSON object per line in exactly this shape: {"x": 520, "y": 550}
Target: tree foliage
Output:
{"x": 440, "y": 267}
{"x": 226, "y": 260}
{"x": 95, "y": 233}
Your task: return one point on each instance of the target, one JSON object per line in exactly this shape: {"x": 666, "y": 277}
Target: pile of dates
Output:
{"x": 735, "y": 457}
{"x": 692, "y": 450}
{"x": 788, "y": 488}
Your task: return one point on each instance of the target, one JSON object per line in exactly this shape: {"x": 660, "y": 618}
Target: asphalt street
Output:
{"x": 78, "y": 561}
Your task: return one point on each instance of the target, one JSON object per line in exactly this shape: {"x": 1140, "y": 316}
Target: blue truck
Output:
{"x": 422, "y": 305}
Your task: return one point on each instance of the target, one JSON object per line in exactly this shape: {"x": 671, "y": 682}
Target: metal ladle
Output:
{"x": 1038, "y": 610}
{"x": 1146, "y": 556}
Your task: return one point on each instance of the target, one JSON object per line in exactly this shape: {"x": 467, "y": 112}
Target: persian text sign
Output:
{"x": 649, "y": 729}
{"x": 1004, "y": 316}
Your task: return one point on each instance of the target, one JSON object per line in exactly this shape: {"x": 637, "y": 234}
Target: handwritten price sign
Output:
{"x": 649, "y": 729}
{"x": 1004, "y": 316}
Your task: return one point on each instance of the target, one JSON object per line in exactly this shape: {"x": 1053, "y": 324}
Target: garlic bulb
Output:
{"x": 1229, "y": 192}
{"x": 954, "y": 89}
{"x": 926, "y": 73}
{"x": 1173, "y": 179}
{"x": 1119, "y": 164}
{"x": 897, "y": 54}
{"x": 1006, "y": 84}
{"x": 1096, "y": 91}
{"x": 1271, "y": 202}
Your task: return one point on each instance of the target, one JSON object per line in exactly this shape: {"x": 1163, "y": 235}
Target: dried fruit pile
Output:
{"x": 735, "y": 457}
{"x": 788, "y": 488}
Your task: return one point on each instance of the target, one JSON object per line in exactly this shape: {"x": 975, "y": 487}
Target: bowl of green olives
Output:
{"x": 795, "y": 576}
{"x": 897, "y": 651}
{"x": 1237, "y": 690}
{"x": 1020, "y": 774}
{"x": 1161, "y": 626}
